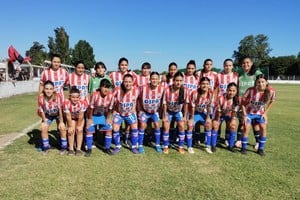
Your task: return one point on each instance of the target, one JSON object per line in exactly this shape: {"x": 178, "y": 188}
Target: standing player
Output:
{"x": 190, "y": 77}
{"x": 149, "y": 104}
{"x": 97, "y": 115}
{"x": 168, "y": 79}
{"x": 56, "y": 74}
{"x": 74, "y": 109}
{"x": 49, "y": 109}
{"x": 144, "y": 78}
{"x": 257, "y": 102}
{"x": 94, "y": 83}
{"x": 173, "y": 102}
{"x": 123, "y": 105}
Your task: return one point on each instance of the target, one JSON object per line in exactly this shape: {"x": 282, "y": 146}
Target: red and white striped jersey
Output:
{"x": 150, "y": 100}
{"x": 100, "y": 104}
{"x": 170, "y": 98}
{"x": 142, "y": 80}
{"x": 224, "y": 79}
{"x": 74, "y": 109}
{"x": 253, "y": 100}
{"x": 49, "y": 107}
{"x": 225, "y": 106}
{"x": 117, "y": 77}
{"x": 190, "y": 82}
{"x": 200, "y": 102}
{"x": 81, "y": 83}
{"x": 124, "y": 103}
{"x": 213, "y": 77}
{"x": 58, "y": 77}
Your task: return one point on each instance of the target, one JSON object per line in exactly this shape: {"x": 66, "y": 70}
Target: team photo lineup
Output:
{"x": 170, "y": 109}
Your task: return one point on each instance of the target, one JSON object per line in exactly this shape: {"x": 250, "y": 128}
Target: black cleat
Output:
{"x": 261, "y": 152}
{"x": 108, "y": 152}
{"x": 244, "y": 151}
{"x": 232, "y": 149}
{"x": 213, "y": 149}
{"x": 88, "y": 153}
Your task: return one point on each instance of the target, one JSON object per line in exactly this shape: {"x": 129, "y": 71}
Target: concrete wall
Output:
{"x": 8, "y": 89}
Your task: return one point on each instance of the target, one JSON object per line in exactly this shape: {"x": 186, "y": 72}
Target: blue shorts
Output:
{"x": 144, "y": 117}
{"x": 51, "y": 118}
{"x": 177, "y": 116}
{"x": 256, "y": 119}
{"x": 199, "y": 117}
{"x": 99, "y": 119}
{"x": 130, "y": 119}
{"x": 225, "y": 118}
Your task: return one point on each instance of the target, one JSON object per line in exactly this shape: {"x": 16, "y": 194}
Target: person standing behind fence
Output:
{"x": 56, "y": 74}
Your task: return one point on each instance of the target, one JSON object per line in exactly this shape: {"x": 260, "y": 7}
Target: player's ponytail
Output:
{"x": 267, "y": 92}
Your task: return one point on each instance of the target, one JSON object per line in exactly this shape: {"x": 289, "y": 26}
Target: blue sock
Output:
{"x": 46, "y": 144}
{"x": 157, "y": 136}
{"x": 64, "y": 143}
{"x": 134, "y": 138}
{"x": 107, "y": 141}
{"x": 89, "y": 141}
{"x": 116, "y": 137}
{"x": 214, "y": 137}
{"x": 231, "y": 138}
{"x": 208, "y": 137}
{"x": 189, "y": 138}
{"x": 244, "y": 142}
{"x": 262, "y": 141}
{"x": 181, "y": 135}
{"x": 166, "y": 139}
{"x": 141, "y": 137}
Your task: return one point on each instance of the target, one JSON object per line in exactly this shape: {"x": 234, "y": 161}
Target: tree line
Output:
{"x": 257, "y": 47}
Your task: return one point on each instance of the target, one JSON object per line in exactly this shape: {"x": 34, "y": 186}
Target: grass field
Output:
{"x": 26, "y": 174}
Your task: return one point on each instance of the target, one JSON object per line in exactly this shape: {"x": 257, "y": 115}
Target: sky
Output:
{"x": 155, "y": 31}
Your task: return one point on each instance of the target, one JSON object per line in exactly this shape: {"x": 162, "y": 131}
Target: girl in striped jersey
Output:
{"x": 148, "y": 108}
{"x": 144, "y": 78}
{"x": 200, "y": 102}
{"x": 257, "y": 102}
{"x": 123, "y": 105}
{"x": 190, "y": 77}
{"x": 80, "y": 80}
{"x": 74, "y": 109}
{"x": 227, "y": 108}
{"x": 56, "y": 74}
{"x": 168, "y": 79}
{"x": 173, "y": 102}
{"x": 49, "y": 109}
{"x": 98, "y": 115}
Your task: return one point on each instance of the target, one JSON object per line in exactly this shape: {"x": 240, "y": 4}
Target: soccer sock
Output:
{"x": 214, "y": 136}
{"x": 116, "y": 138}
{"x": 262, "y": 141}
{"x": 141, "y": 137}
{"x": 46, "y": 144}
{"x": 89, "y": 141}
{"x": 208, "y": 137}
{"x": 231, "y": 138}
{"x": 134, "y": 137}
{"x": 166, "y": 140}
{"x": 127, "y": 135}
{"x": 108, "y": 139}
{"x": 181, "y": 138}
{"x": 256, "y": 135}
{"x": 239, "y": 133}
{"x": 189, "y": 140}
{"x": 227, "y": 135}
{"x": 64, "y": 143}
{"x": 244, "y": 142}
{"x": 157, "y": 137}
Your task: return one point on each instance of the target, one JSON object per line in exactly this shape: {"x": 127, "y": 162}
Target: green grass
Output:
{"x": 25, "y": 174}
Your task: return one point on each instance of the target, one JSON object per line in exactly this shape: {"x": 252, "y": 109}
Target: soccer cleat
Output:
{"x": 231, "y": 149}
{"x": 261, "y": 152}
{"x": 141, "y": 149}
{"x": 181, "y": 150}
{"x": 238, "y": 144}
{"x": 45, "y": 152}
{"x": 158, "y": 149}
{"x": 208, "y": 150}
{"x": 116, "y": 150}
{"x": 88, "y": 153}
{"x": 63, "y": 152}
{"x": 71, "y": 153}
{"x": 135, "y": 151}
{"x": 213, "y": 149}
{"x": 79, "y": 153}
{"x": 191, "y": 150}
{"x": 108, "y": 151}
{"x": 244, "y": 151}
{"x": 166, "y": 150}
{"x": 256, "y": 146}
{"x": 226, "y": 143}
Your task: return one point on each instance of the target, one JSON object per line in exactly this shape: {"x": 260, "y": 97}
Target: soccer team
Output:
{"x": 171, "y": 107}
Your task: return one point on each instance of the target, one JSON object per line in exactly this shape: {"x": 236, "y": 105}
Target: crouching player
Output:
{"x": 256, "y": 103}
{"x": 74, "y": 109}
{"x": 98, "y": 115}
{"x": 123, "y": 105}
{"x": 149, "y": 104}
{"x": 49, "y": 109}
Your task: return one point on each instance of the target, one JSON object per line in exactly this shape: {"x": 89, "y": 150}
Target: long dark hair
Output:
{"x": 192, "y": 62}
{"x": 253, "y": 67}
{"x": 235, "y": 100}
{"x": 168, "y": 75}
{"x": 181, "y": 89}
{"x": 267, "y": 92}
{"x": 122, "y": 85}
{"x": 203, "y": 70}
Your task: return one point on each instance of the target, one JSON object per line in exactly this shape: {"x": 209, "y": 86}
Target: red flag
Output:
{"x": 14, "y": 55}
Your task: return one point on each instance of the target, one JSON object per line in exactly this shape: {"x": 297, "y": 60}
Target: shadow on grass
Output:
{"x": 36, "y": 140}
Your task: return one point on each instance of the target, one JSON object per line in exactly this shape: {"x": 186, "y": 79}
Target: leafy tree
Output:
{"x": 279, "y": 65}
{"x": 137, "y": 71}
{"x": 37, "y": 53}
{"x": 256, "y": 47}
{"x": 84, "y": 52}
{"x": 60, "y": 45}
